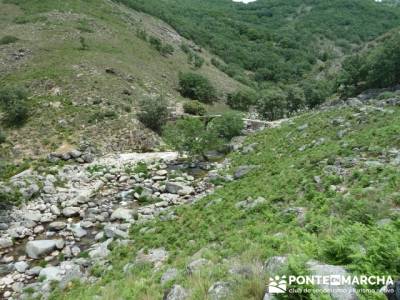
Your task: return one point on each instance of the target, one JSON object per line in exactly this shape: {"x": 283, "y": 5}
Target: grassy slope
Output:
{"x": 50, "y": 32}
{"x": 340, "y": 227}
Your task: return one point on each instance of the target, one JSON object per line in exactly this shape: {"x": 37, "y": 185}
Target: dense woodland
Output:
{"x": 276, "y": 40}
{"x": 280, "y": 48}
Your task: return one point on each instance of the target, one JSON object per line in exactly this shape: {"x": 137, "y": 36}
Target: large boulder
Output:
{"x": 112, "y": 231}
{"x": 21, "y": 266}
{"x": 178, "y": 188}
{"x": 197, "y": 265}
{"x": 70, "y": 211}
{"x": 36, "y": 249}
{"x": 275, "y": 264}
{"x": 242, "y": 171}
{"x": 123, "y": 214}
{"x": 51, "y": 273}
{"x": 154, "y": 256}
{"x": 100, "y": 251}
{"x": 57, "y": 226}
{"x": 169, "y": 275}
{"x": 176, "y": 293}
{"x": 6, "y": 243}
{"x": 32, "y": 215}
{"x": 220, "y": 290}
{"x": 337, "y": 292}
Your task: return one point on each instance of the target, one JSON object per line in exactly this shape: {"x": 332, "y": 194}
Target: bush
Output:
{"x": 167, "y": 49}
{"x": 8, "y": 39}
{"x": 198, "y": 61}
{"x": 155, "y": 42}
{"x": 316, "y": 92}
{"x": 153, "y": 112}
{"x": 3, "y": 137}
{"x": 387, "y": 95}
{"x": 272, "y": 104}
{"x": 242, "y": 99}
{"x": 194, "y": 108}
{"x": 197, "y": 87}
{"x": 296, "y": 100}
{"x": 83, "y": 44}
{"x": 191, "y": 136}
{"x": 229, "y": 125}
{"x": 142, "y": 34}
{"x": 14, "y": 103}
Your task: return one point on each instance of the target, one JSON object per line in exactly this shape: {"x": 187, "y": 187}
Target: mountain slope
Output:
{"x": 86, "y": 67}
{"x": 278, "y": 41}
{"x": 328, "y": 183}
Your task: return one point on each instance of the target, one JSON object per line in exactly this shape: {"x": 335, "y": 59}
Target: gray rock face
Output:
{"x": 178, "y": 188}
{"x": 169, "y": 275}
{"x": 29, "y": 191}
{"x": 57, "y": 226}
{"x": 55, "y": 210}
{"x": 77, "y": 231}
{"x": 242, "y": 171}
{"x": 155, "y": 256}
{"x": 32, "y": 215}
{"x": 250, "y": 203}
{"x": 337, "y": 292}
{"x": 51, "y": 273}
{"x": 5, "y": 243}
{"x": 274, "y": 264}
{"x": 71, "y": 272}
{"x": 36, "y": 249}
{"x": 111, "y": 231}
{"x": 34, "y": 271}
{"x": 100, "y": 251}
{"x": 176, "y": 293}
{"x": 21, "y": 266}
{"x": 70, "y": 211}
{"x": 219, "y": 290}
{"x": 123, "y": 214}
{"x": 197, "y": 264}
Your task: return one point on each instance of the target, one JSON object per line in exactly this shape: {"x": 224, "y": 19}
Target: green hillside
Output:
{"x": 329, "y": 181}
{"x": 197, "y": 149}
{"x": 86, "y": 65}
{"x": 273, "y": 40}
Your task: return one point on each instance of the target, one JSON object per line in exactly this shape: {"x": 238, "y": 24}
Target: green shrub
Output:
{"x": 83, "y": 43}
{"x": 242, "y": 99}
{"x": 229, "y": 125}
{"x": 142, "y": 34}
{"x": 185, "y": 48}
{"x": 191, "y": 136}
{"x": 153, "y": 112}
{"x": 272, "y": 104}
{"x": 194, "y": 107}
{"x": 387, "y": 95}
{"x": 296, "y": 100}
{"x": 156, "y": 43}
{"x": 3, "y": 137}
{"x": 198, "y": 61}
{"x": 9, "y": 198}
{"x": 167, "y": 49}
{"x": 197, "y": 87}
{"x": 8, "y": 39}
{"x": 316, "y": 92}
{"x": 14, "y": 103}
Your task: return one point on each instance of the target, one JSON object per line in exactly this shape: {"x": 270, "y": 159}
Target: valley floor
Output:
{"x": 319, "y": 193}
